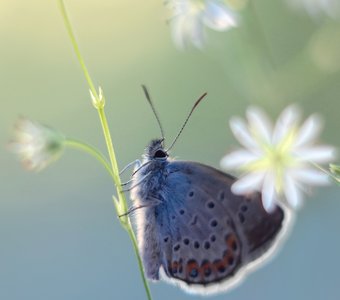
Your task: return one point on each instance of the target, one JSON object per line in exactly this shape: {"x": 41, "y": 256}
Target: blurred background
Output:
{"x": 59, "y": 235}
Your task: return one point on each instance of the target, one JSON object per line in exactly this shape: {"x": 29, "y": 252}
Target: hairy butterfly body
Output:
{"x": 192, "y": 229}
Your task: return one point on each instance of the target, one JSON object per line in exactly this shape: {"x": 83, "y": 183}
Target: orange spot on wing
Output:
{"x": 191, "y": 265}
{"x": 206, "y": 269}
{"x": 232, "y": 242}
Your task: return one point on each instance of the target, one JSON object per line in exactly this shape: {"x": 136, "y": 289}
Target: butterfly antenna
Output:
{"x": 186, "y": 121}
{"x": 147, "y": 95}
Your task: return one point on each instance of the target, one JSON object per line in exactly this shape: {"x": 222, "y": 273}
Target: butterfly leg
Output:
{"x": 136, "y": 163}
{"x": 134, "y": 208}
{"x": 127, "y": 182}
{"x": 133, "y": 186}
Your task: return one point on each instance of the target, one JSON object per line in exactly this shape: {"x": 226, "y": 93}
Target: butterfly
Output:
{"x": 191, "y": 229}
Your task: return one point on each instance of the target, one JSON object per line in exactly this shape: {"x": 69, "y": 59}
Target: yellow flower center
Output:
{"x": 275, "y": 159}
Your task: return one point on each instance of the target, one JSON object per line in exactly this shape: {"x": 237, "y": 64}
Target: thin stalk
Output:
{"x": 72, "y": 143}
{"x": 114, "y": 165}
{"x": 76, "y": 47}
{"x": 125, "y": 221}
{"x": 330, "y": 174}
{"x": 140, "y": 264}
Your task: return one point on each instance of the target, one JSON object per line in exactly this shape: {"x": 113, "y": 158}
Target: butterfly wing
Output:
{"x": 208, "y": 234}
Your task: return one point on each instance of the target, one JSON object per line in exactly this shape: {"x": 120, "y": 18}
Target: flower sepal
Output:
{"x": 98, "y": 101}
{"x": 335, "y": 170}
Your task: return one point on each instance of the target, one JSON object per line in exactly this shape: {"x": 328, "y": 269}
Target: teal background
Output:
{"x": 59, "y": 236}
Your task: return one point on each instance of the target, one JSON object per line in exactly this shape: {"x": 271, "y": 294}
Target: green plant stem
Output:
{"x": 333, "y": 176}
{"x": 75, "y": 47}
{"x": 90, "y": 150}
{"x": 125, "y": 221}
{"x": 112, "y": 155}
{"x": 140, "y": 264}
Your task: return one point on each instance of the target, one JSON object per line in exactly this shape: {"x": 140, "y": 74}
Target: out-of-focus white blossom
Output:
{"x": 36, "y": 145}
{"x": 189, "y": 17}
{"x": 317, "y": 8}
{"x": 278, "y": 160}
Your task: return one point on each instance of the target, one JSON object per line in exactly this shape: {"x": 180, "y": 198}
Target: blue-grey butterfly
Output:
{"x": 192, "y": 230}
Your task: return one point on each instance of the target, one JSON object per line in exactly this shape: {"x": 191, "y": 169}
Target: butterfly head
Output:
{"x": 155, "y": 150}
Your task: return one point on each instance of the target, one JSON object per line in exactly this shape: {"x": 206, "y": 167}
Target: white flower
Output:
{"x": 316, "y": 8}
{"x": 36, "y": 145}
{"x": 278, "y": 160}
{"x": 190, "y": 16}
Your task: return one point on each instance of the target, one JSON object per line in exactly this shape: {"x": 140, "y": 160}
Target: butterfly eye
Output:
{"x": 160, "y": 154}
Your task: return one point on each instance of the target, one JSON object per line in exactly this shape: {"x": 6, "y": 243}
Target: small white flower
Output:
{"x": 278, "y": 160}
{"x": 36, "y": 145}
{"x": 316, "y": 8}
{"x": 190, "y": 16}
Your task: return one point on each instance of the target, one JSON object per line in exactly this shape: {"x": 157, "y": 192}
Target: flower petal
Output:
{"x": 186, "y": 24}
{"x": 196, "y": 31}
{"x": 179, "y": 7}
{"x": 316, "y": 154}
{"x": 242, "y": 134}
{"x": 259, "y": 123}
{"x": 237, "y": 159}
{"x": 310, "y": 176}
{"x": 292, "y": 193}
{"x": 248, "y": 183}
{"x": 268, "y": 193}
{"x": 217, "y": 16}
{"x": 177, "y": 31}
{"x": 309, "y": 130}
{"x": 287, "y": 120}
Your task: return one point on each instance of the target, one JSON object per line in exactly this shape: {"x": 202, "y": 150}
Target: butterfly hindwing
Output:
{"x": 201, "y": 249}
{"x": 206, "y": 233}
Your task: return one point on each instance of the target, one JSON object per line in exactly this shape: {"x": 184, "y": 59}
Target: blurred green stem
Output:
{"x": 330, "y": 172}
{"x": 90, "y": 150}
{"x": 125, "y": 221}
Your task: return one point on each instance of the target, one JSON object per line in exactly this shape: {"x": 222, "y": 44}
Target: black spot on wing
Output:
{"x": 197, "y": 245}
